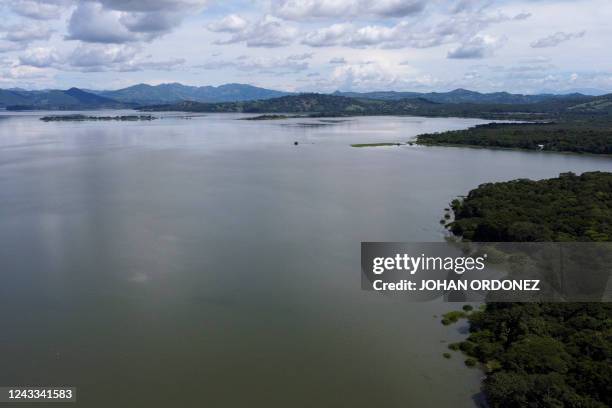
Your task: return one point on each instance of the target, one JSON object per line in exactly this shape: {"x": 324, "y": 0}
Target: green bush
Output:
{"x": 471, "y": 362}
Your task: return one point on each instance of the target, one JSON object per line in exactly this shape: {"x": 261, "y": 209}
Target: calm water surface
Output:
{"x": 210, "y": 262}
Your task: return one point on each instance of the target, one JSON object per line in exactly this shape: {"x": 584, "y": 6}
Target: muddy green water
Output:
{"x": 209, "y": 262}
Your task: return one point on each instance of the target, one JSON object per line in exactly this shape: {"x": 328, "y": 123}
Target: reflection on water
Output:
{"x": 212, "y": 262}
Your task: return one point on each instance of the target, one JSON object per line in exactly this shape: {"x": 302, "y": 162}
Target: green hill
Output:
{"x": 336, "y": 105}
{"x": 12, "y": 98}
{"x": 466, "y": 96}
{"x": 144, "y": 94}
{"x": 72, "y": 98}
{"x": 602, "y": 104}
{"x": 251, "y": 99}
{"x": 305, "y": 103}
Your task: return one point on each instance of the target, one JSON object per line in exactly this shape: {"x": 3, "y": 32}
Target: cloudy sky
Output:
{"x": 309, "y": 45}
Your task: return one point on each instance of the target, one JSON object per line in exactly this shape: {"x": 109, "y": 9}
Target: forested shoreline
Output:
{"x": 576, "y": 137}
{"x": 541, "y": 354}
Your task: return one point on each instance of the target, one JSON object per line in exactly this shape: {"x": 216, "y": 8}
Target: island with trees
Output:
{"x": 540, "y": 354}
{"x": 86, "y": 118}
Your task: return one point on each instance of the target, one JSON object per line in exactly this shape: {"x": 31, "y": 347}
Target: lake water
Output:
{"x": 210, "y": 262}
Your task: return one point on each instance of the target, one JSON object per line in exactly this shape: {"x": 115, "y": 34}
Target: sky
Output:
{"x": 517, "y": 46}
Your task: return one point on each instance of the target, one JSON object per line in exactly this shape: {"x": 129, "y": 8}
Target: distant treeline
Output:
{"x": 567, "y": 136}
{"x": 545, "y": 355}
{"x": 249, "y": 99}
{"x": 334, "y": 105}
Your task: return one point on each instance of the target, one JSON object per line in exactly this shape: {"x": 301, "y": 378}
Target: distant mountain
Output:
{"x": 461, "y": 96}
{"x": 12, "y": 97}
{"x": 132, "y": 96}
{"x": 598, "y": 105}
{"x": 336, "y": 105}
{"x": 583, "y": 91}
{"x": 87, "y": 98}
{"x": 308, "y": 103}
{"x": 144, "y": 94}
{"x": 72, "y": 98}
{"x": 248, "y": 98}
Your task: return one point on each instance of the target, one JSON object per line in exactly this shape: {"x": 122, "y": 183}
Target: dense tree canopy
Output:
{"x": 544, "y": 354}
{"x": 541, "y": 354}
{"x": 575, "y": 136}
{"x": 567, "y": 208}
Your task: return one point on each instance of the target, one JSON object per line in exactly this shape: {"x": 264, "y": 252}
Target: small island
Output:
{"x": 84, "y": 118}
{"x": 375, "y": 144}
{"x": 272, "y": 117}
{"x": 540, "y": 354}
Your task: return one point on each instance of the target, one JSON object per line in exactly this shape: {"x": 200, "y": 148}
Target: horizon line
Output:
{"x": 583, "y": 91}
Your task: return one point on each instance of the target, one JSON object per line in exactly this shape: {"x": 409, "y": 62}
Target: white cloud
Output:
{"x": 476, "y": 48}
{"x": 10, "y": 46}
{"x": 153, "y": 23}
{"x": 40, "y": 57}
{"x": 401, "y": 35}
{"x": 101, "y": 57}
{"x": 462, "y": 28}
{"x": 152, "y": 5}
{"x": 467, "y": 5}
{"x": 27, "y": 33}
{"x": 118, "y": 22}
{"x": 536, "y": 60}
{"x": 119, "y": 58}
{"x": 39, "y": 9}
{"x": 300, "y": 57}
{"x": 141, "y": 65}
{"x": 377, "y": 74}
{"x": 24, "y": 75}
{"x": 395, "y": 8}
{"x": 231, "y": 23}
{"x": 269, "y": 32}
{"x": 328, "y": 36}
{"x": 261, "y": 64}
{"x": 90, "y": 22}
{"x": 337, "y": 60}
{"x": 277, "y": 37}
{"x": 556, "y": 39}
{"x": 308, "y": 9}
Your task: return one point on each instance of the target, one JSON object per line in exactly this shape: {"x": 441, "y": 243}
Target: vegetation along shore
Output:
{"x": 540, "y": 354}
{"x": 568, "y": 136}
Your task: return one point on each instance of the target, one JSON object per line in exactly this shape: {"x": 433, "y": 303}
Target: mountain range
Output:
{"x": 574, "y": 106}
{"x": 133, "y": 96}
{"x": 144, "y": 94}
{"x": 176, "y": 94}
{"x": 72, "y": 98}
{"x": 461, "y": 96}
